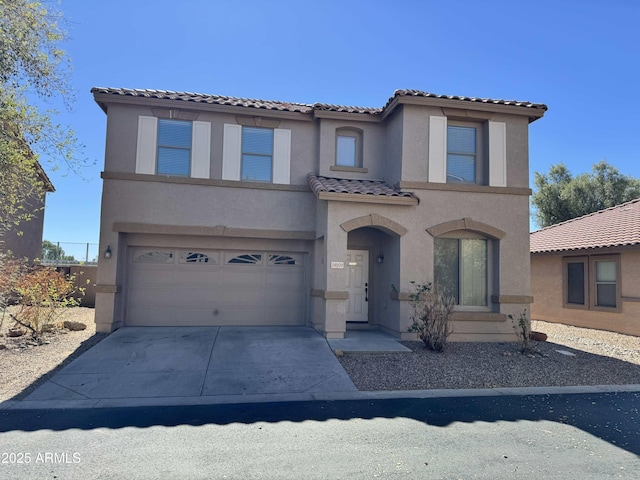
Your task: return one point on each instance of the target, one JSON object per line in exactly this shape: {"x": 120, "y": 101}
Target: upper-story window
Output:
{"x": 467, "y": 152}
{"x": 462, "y": 154}
{"x": 174, "y": 147}
{"x": 254, "y": 153}
{"x": 348, "y": 148}
{"x": 257, "y": 154}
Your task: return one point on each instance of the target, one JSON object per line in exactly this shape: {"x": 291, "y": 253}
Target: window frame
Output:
{"x": 590, "y": 283}
{"x": 593, "y": 283}
{"x": 469, "y": 235}
{"x": 356, "y": 134}
{"x": 479, "y": 153}
{"x": 173, "y": 147}
{"x": 565, "y": 282}
{"x": 253, "y": 154}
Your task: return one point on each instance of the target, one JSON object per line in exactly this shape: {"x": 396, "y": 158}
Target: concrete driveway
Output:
{"x": 191, "y": 365}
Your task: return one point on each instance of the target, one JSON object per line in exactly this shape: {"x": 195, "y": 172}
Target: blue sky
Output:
{"x": 580, "y": 57}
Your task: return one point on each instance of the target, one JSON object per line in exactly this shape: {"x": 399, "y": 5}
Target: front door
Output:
{"x": 358, "y": 285}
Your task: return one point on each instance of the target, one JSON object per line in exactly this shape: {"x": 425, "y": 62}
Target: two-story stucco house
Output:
{"x": 230, "y": 211}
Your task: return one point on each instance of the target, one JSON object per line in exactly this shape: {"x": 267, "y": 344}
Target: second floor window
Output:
{"x": 461, "y": 154}
{"x": 348, "y": 147}
{"x": 257, "y": 154}
{"x": 174, "y": 147}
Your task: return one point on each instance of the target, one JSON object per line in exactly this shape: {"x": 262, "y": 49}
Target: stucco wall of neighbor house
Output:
{"x": 547, "y": 289}
{"x": 25, "y": 239}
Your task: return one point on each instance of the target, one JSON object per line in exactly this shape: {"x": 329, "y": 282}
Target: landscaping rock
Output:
{"x": 74, "y": 326}
{"x": 15, "y": 332}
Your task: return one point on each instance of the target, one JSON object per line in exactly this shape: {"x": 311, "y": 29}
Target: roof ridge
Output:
{"x": 318, "y": 105}
{"x": 199, "y": 94}
{"x": 587, "y": 215}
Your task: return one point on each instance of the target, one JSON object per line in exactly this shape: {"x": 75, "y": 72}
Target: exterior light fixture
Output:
{"x": 381, "y": 257}
{"x": 107, "y": 252}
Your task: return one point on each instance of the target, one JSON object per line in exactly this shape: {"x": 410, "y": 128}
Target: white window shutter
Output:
{"x": 231, "y": 152}
{"x": 282, "y": 156}
{"x": 497, "y": 154}
{"x": 200, "y": 149}
{"x": 147, "y": 145}
{"x": 438, "y": 149}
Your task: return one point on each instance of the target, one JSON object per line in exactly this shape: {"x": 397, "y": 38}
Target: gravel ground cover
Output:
{"x": 570, "y": 356}
{"x": 25, "y": 365}
{"x": 599, "y": 358}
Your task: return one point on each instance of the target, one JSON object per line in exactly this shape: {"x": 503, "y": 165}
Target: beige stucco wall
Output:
{"x": 547, "y": 288}
{"x": 122, "y": 127}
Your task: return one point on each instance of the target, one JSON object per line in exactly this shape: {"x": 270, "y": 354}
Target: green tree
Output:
{"x": 558, "y": 196}
{"x": 33, "y": 71}
{"x": 52, "y": 251}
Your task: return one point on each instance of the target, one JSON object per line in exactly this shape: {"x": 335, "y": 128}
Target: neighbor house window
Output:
{"x": 174, "y": 147}
{"x": 592, "y": 282}
{"x": 257, "y": 154}
{"x": 462, "y": 154}
{"x": 461, "y": 270}
{"x": 348, "y": 147}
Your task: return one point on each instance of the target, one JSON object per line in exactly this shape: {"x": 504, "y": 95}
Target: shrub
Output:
{"x": 522, "y": 326}
{"x": 431, "y": 312}
{"x": 43, "y": 294}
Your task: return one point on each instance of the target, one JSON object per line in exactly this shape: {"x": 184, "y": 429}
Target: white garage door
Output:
{"x": 209, "y": 287}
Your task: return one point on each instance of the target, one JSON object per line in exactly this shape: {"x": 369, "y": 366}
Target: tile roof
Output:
{"x": 320, "y": 184}
{"x": 298, "y": 107}
{"x": 516, "y": 103}
{"x": 613, "y": 227}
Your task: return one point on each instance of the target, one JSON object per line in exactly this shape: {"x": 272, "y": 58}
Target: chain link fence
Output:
{"x": 69, "y": 253}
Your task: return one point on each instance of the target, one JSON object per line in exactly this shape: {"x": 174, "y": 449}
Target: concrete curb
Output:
{"x": 308, "y": 397}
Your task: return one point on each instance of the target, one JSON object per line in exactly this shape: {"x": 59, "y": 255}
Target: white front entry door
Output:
{"x": 358, "y": 285}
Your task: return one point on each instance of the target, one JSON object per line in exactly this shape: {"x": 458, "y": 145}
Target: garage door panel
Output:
{"x": 286, "y": 277}
{"x": 243, "y": 276}
{"x": 153, "y": 297}
{"x": 243, "y": 296}
{"x": 198, "y": 276}
{"x": 183, "y": 287}
{"x": 152, "y": 276}
{"x": 203, "y": 297}
{"x": 283, "y": 299}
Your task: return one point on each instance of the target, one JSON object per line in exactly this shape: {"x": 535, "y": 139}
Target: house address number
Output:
{"x": 337, "y": 265}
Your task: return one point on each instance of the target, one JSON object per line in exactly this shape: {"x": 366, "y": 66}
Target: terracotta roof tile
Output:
{"x": 516, "y": 103}
{"x": 298, "y": 107}
{"x": 204, "y": 98}
{"x": 613, "y": 227}
{"x": 357, "y": 187}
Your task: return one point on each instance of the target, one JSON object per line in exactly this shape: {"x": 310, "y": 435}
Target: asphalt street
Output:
{"x": 577, "y": 436}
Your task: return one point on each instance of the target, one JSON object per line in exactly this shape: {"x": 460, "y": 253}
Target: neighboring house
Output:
{"x": 586, "y": 271}
{"x": 25, "y": 239}
{"x": 231, "y": 211}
